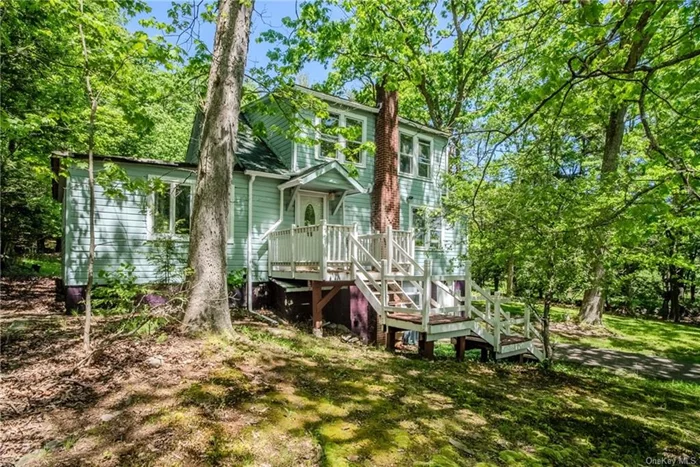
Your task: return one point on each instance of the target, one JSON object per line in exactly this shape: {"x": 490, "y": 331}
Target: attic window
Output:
{"x": 415, "y": 155}
{"x": 341, "y": 137}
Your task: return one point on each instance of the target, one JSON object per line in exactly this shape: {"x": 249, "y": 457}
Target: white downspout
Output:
{"x": 250, "y": 243}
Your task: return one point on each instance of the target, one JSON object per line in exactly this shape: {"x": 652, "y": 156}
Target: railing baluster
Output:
{"x": 427, "y": 293}
{"x": 468, "y": 288}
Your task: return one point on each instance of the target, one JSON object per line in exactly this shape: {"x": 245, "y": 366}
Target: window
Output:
{"x": 415, "y": 155}
{"x": 406, "y": 154}
{"x": 353, "y": 140}
{"x": 172, "y": 208}
{"x": 329, "y": 136}
{"x": 427, "y": 227}
{"x": 341, "y": 138}
{"x": 423, "y": 158}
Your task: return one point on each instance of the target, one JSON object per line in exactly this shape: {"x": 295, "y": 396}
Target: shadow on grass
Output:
{"x": 289, "y": 399}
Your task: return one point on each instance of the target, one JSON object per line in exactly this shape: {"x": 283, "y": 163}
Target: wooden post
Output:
{"x": 316, "y": 310}
{"x": 293, "y": 246}
{"x": 323, "y": 261}
{"x": 497, "y": 322}
{"x": 468, "y": 288}
{"x": 383, "y": 293}
{"x": 425, "y": 348}
{"x": 427, "y": 293}
{"x": 460, "y": 347}
{"x": 412, "y": 249}
{"x": 390, "y": 247}
{"x": 390, "y": 339}
{"x": 527, "y": 322}
{"x": 488, "y": 303}
{"x": 353, "y": 251}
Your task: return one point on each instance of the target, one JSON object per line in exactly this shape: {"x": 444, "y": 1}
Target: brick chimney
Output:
{"x": 385, "y": 194}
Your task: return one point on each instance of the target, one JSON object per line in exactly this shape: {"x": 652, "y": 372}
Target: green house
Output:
{"x": 301, "y": 222}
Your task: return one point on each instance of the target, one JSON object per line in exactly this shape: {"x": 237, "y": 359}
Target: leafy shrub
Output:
{"x": 119, "y": 293}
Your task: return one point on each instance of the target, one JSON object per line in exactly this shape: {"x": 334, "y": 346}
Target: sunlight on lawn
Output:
{"x": 337, "y": 404}
{"x": 679, "y": 342}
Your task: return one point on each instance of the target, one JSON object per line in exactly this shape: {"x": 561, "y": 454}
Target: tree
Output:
{"x": 208, "y": 298}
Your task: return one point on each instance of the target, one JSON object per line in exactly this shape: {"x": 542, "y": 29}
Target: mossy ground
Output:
{"x": 287, "y": 398}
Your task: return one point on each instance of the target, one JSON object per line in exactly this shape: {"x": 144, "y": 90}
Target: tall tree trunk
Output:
{"x": 510, "y": 278}
{"x": 591, "y": 311}
{"x": 545, "y": 325}
{"x": 207, "y": 306}
{"x": 94, "y": 99}
{"x": 385, "y": 194}
{"x": 675, "y": 289}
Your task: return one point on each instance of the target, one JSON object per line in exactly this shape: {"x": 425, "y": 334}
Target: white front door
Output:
{"x": 311, "y": 209}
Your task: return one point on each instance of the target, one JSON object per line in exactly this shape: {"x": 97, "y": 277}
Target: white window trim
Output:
{"x": 426, "y": 240}
{"x": 150, "y": 227}
{"x": 341, "y": 139}
{"x": 416, "y": 156}
{"x": 298, "y": 217}
{"x": 151, "y": 235}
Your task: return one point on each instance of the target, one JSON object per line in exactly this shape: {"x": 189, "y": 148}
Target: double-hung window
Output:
{"x": 427, "y": 227}
{"x": 341, "y": 137}
{"x": 415, "y": 155}
{"x": 172, "y": 209}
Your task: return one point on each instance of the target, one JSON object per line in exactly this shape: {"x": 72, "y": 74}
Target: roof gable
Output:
{"x": 252, "y": 153}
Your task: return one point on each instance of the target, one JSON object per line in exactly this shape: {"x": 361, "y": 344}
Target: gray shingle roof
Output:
{"x": 252, "y": 153}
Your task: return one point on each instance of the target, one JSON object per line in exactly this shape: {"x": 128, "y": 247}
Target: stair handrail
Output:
{"x": 362, "y": 249}
{"x": 419, "y": 271}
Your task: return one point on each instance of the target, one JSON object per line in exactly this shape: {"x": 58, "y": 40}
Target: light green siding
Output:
{"x": 122, "y": 225}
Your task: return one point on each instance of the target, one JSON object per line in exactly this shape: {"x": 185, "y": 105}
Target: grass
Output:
{"x": 678, "y": 342}
{"x": 48, "y": 264}
{"x": 324, "y": 402}
{"x": 280, "y": 397}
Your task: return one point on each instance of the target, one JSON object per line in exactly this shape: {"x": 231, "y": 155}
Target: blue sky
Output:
{"x": 268, "y": 15}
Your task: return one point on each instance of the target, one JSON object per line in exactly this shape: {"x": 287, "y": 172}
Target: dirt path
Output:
{"x": 617, "y": 360}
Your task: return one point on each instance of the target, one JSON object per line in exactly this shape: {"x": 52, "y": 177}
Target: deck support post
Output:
{"x": 460, "y": 347}
{"x": 316, "y": 310}
{"x": 391, "y": 339}
{"x": 425, "y": 348}
{"x": 319, "y": 302}
{"x": 484, "y": 355}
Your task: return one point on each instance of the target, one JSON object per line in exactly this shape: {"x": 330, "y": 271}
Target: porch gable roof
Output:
{"x": 329, "y": 176}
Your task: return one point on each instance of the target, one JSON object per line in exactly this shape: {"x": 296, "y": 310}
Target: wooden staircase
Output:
{"x": 401, "y": 292}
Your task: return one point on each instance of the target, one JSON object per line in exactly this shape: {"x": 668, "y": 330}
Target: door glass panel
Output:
{"x": 309, "y": 215}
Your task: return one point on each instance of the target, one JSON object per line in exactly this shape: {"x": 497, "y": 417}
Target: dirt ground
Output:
{"x": 45, "y": 395}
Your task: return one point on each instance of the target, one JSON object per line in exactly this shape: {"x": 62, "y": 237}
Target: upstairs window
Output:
{"x": 427, "y": 227}
{"x": 172, "y": 209}
{"x": 415, "y": 156}
{"x": 406, "y": 154}
{"x": 329, "y": 136}
{"x": 341, "y": 137}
